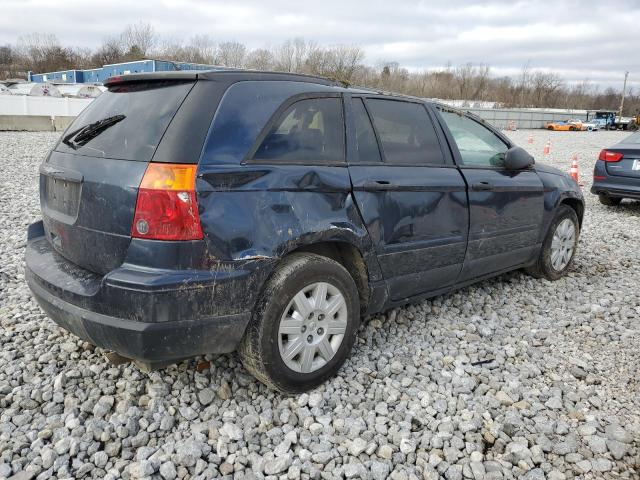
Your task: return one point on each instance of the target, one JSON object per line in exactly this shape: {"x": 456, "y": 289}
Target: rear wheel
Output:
{"x": 609, "y": 201}
{"x": 550, "y": 127}
{"x": 304, "y": 324}
{"x": 559, "y": 246}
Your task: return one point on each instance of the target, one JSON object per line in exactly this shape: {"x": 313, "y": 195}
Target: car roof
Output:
{"x": 240, "y": 74}
{"x": 218, "y": 74}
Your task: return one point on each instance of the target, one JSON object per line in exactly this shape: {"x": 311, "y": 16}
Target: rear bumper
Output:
{"x": 614, "y": 185}
{"x": 144, "y": 341}
{"x": 614, "y": 189}
{"x": 151, "y": 315}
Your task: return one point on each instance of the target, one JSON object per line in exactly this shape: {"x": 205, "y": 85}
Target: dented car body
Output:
{"x": 405, "y": 228}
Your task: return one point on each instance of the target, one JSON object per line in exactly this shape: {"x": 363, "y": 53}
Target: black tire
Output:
{"x": 543, "y": 268}
{"x": 550, "y": 128}
{"x": 259, "y": 349}
{"x": 572, "y": 129}
{"x": 609, "y": 201}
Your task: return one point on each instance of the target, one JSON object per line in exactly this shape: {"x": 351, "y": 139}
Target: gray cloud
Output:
{"x": 578, "y": 39}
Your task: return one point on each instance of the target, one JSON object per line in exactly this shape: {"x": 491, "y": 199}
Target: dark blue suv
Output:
{"x": 188, "y": 213}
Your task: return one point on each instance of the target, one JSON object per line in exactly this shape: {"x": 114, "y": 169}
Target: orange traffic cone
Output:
{"x": 573, "y": 172}
{"x": 530, "y": 140}
{"x": 547, "y": 148}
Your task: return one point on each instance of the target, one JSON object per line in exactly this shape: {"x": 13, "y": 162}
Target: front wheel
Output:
{"x": 559, "y": 246}
{"x": 609, "y": 201}
{"x": 304, "y": 324}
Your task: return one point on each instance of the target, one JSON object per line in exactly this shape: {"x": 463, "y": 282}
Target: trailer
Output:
{"x": 79, "y": 90}
{"x": 35, "y": 89}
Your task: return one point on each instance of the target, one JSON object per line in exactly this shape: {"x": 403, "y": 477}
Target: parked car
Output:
{"x": 189, "y": 213}
{"x": 569, "y": 125}
{"x": 591, "y": 126}
{"x": 617, "y": 172}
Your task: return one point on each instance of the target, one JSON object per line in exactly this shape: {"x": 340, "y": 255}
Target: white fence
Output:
{"x": 48, "y": 106}
{"x": 522, "y": 118}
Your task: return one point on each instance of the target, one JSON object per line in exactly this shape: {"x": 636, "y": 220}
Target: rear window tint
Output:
{"x": 365, "y": 137}
{"x": 244, "y": 111}
{"x": 406, "y": 132}
{"x": 309, "y": 130}
{"x": 141, "y": 114}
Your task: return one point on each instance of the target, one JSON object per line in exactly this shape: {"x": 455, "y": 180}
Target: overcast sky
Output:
{"x": 578, "y": 39}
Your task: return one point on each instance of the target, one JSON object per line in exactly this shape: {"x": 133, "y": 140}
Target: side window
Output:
{"x": 365, "y": 137}
{"x": 406, "y": 132}
{"x": 478, "y": 145}
{"x": 309, "y": 130}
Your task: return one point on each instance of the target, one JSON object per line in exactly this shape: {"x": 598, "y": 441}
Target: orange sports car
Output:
{"x": 569, "y": 125}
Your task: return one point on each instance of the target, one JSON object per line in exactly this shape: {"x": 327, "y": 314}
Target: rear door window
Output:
{"x": 245, "y": 110}
{"x": 125, "y": 122}
{"x": 406, "y": 132}
{"x": 367, "y": 144}
{"x": 309, "y": 130}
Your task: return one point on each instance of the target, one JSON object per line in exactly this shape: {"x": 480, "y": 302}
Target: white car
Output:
{"x": 591, "y": 126}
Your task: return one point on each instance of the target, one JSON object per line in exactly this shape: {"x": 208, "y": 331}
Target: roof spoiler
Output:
{"x": 147, "y": 77}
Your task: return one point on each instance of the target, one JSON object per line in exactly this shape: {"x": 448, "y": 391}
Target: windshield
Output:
{"x": 126, "y": 122}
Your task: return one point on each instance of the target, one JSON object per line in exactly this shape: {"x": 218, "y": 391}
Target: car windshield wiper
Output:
{"x": 83, "y": 135}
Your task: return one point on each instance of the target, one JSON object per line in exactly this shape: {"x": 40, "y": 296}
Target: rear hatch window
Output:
{"x": 126, "y": 122}
{"x": 89, "y": 183}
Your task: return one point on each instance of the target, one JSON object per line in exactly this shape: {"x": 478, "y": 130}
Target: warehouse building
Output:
{"x": 99, "y": 75}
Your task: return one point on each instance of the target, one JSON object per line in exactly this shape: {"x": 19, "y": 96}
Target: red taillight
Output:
{"x": 608, "y": 156}
{"x": 166, "y": 208}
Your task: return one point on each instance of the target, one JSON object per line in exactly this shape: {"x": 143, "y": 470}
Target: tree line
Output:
{"x": 473, "y": 82}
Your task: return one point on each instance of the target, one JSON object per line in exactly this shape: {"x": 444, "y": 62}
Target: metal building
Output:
{"x": 99, "y": 75}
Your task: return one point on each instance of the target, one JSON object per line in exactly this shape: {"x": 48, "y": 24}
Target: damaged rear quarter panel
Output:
{"x": 262, "y": 212}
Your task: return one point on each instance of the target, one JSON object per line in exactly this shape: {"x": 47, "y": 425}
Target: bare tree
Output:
{"x": 544, "y": 87}
{"x": 260, "y": 59}
{"x": 6, "y": 55}
{"x": 109, "y": 52}
{"x": 343, "y": 61}
{"x": 292, "y": 55}
{"x": 204, "y": 48}
{"x": 43, "y": 52}
{"x": 138, "y": 40}
{"x": 231, "y": 54}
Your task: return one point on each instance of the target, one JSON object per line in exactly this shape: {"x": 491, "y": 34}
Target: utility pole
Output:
{"x": 624, "y": 92}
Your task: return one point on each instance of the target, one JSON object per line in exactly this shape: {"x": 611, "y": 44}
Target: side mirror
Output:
{"x": 517, "y": 158}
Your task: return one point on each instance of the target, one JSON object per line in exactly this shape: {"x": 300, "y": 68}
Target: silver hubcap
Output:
{"x": 312, "y": 327}
{"x": 562, "y": 245}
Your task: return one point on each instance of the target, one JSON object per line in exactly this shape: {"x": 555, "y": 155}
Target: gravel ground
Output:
{"x": 510, "y": 378}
